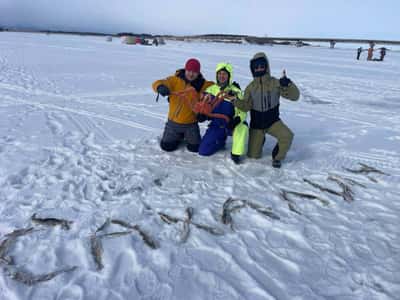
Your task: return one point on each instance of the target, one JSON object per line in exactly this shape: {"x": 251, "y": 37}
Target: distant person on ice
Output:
{"x": 182, "y": 124}
{"x": 261, "y": 98}
{"x": 359, "y": 50}
{"x": 370, "y": 53}
{"x": 235, "y": 122}
{"x": 382, "y": 53}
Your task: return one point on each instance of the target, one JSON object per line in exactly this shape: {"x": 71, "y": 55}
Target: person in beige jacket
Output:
{"x": 261, "y": 98}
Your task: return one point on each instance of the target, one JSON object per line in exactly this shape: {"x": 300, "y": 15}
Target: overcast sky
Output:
{"x": 378, "y": 19}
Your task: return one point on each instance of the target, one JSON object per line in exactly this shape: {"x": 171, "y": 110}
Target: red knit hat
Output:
{"x": 192, "y": 65}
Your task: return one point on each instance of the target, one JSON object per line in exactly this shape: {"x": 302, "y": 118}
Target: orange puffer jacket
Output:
{"x": 179, "y": 111}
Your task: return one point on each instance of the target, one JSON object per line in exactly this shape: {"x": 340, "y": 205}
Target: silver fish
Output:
{"x": 347, "y": 192}
{"x": 4, "y": 246}
{"x": 263, "y": 210}
{"x": 185, "y": 232}
{"x": 228, "y": 209}
{"x": 348, "y": 180}
{"x": 168, "y": 219}
{"x": 19, "y": 232}
{"x": 104, "y": 226}
{"x": 291, "y": 205}
{"x": 114, "y": 234}
{"x": 123, "y": 224}
{"x": 313, "y": 197}
{"x": 366, "y": 169}
{"x": 186, "y": 225}
{"x": 97, "y": 251}
{"x": 9, "y": 241}
{"x": 189, "y": 213}
{"x": 31, "y": 279}
{"x": 226, "y": 217}
{"x": 147, "y": 239}
{"x": 212, "y": 230}
{"x": 293, "y": 208}
{"x": 65, "y": 224}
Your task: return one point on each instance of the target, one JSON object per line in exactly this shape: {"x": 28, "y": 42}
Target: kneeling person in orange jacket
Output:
{"x": 182, "y": 123}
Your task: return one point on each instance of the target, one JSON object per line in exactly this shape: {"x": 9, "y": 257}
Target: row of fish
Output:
{"x": 16, "y": 273}
{"x": 229, "y": 207}
{"x": 96, "y": 244}
{"x": 233, "y": 205}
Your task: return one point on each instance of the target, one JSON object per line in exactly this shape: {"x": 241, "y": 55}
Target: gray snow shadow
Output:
{"x": 310, "y": 98}
{"x": 385, "y": 103}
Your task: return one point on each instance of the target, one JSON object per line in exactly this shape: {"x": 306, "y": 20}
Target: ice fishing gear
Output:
{"x": 208, "y": 103}
{"x": 205, "y": 105}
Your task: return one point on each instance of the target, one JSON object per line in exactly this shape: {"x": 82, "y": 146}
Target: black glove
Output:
{"x": 236, "y": 84}
{"x": 234, "y": 122}
{"x": 163, "y": 90}
{"x": 284, "y": 81}
{"x": 231, "y": 93}
{"x": 201, "y": 118}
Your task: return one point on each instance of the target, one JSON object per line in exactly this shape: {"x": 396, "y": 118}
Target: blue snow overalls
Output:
{"x": 218, "y": 130}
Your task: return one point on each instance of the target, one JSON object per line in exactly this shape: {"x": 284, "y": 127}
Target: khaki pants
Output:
{"x": 278, "y": 130}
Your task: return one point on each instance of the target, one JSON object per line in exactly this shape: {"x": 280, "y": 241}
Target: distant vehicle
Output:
{"x": 128, "y": 39}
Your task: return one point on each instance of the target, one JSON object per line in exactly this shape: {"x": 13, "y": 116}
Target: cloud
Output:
{"x": 338, "y": 18}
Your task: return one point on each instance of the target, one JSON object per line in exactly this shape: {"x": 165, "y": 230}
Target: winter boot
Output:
{"x": 235, "y": 158}
{"x": 275, "y": 151}
{"x": 276, "y": 163}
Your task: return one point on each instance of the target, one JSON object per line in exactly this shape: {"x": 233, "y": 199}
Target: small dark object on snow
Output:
{"x": 65, "y": 224}
{"x": 187, "y": 222}
{"x": 276, "y": 163}
{"x": 366, "y": 169}
{"x": 235, "y": 158}
{"x": 308, "y": 196}
{"x": 347, "y": 193}
{"x": 145, "y": 237}
{"x": 31, "y": 279}
{"x": 96, "y": 247}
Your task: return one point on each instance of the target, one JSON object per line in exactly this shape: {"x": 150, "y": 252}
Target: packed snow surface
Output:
{"x": 79, "y": 135}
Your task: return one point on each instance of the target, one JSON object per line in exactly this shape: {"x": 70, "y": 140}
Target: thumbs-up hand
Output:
{"x": 284, "y": 81}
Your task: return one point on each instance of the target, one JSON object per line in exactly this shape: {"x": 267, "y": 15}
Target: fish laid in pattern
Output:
{"x": 65, "y": 224}
{"x": 31, "y": 279}
{"x": 9, "y": 241}
{"x": 145, "y": 237}
{"x": 96, "y": 247}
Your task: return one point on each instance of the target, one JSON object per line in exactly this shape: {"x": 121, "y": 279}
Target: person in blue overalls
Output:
{"x": 233, "y": 124}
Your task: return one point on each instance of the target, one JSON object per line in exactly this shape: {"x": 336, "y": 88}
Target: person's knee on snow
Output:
{"x": 169, "y": 146}
{"x": 192, "y": 137}
{"x": 187, "y": 83}
{"x": 212, "y": 141}
{"x": 192, "y": 147}
{"x": 210, "y": 149}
